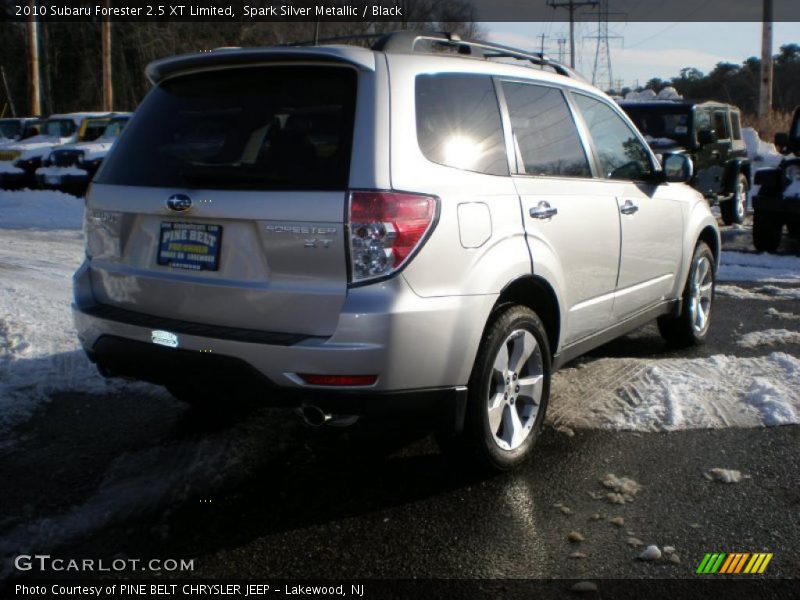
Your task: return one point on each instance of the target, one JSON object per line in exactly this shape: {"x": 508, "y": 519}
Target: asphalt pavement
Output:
{"x": 260, "y": 495}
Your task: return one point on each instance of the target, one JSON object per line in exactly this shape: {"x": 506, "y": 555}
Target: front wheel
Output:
{"x": 508, "y": 392}
{"x": 733, "y": 210}
{"x": 691, "y": 325}
{"x": 767, "y": 231}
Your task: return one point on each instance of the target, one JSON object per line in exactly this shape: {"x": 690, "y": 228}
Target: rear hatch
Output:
{"x": 223, "y": 201}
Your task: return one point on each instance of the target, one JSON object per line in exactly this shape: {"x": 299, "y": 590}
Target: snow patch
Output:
{"x": 673, "y": 394}
{"x": 769, "y": 337}
{"x": 743, "y": 266}
{"x": 778, "y": 314}
{"x": 764, "y": 292}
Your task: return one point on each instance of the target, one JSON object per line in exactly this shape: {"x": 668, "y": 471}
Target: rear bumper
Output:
{"x": 118, "y": 356}
{"x": 410, "y": 343}
{"x": 63, "y": 180}
{"x": 10, "y": 181}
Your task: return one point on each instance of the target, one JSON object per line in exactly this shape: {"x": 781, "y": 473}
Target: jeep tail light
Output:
{"x": 385, "y": 230}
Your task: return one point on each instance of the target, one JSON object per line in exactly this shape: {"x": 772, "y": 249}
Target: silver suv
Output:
{"x": 413, "y": 228}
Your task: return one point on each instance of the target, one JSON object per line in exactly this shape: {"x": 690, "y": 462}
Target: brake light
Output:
{"x": 348, "y": 380}
{"x": 385, "y": 229}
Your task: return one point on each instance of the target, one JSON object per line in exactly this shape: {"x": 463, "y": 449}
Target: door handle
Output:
{"x": 628, "y": 208}
{"x": 543, "y": 210}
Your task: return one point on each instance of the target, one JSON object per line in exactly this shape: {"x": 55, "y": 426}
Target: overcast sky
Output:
{"x": 649, "y": 49}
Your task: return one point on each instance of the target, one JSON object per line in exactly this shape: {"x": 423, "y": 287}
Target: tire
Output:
{"x": 767, "y": 232}
{"x": 691, "y": 326}
{"x": 733, "y": 210}
{"x": 508, "y": 393}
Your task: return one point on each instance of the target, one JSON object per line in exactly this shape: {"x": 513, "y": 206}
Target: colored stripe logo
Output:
{"x": 734, "y": 563}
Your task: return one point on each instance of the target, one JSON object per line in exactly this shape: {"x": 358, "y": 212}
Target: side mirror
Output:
{"x": 782, "y": 141}
{"x": 706, "y": 136}
{"x": 678, "y": 168}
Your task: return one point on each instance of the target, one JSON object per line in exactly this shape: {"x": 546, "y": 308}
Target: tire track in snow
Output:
{"x": 671, "y": 394}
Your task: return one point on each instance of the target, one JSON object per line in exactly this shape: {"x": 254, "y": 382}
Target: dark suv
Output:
{"x": 712, "y": 133}
{"x": 778, "y": 200}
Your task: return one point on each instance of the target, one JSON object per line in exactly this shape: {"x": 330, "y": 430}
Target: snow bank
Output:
{"x": 673, "y": 394}
{"x": 769, "y": 268}
{"x": 38, "y": 209}
{"x": 41, "y": 245}
{"x": 759, "y": 151}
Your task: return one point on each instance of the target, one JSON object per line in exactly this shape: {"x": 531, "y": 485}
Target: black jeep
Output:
{"x": 711, "y": 132}
{"x": 778, "y": 200}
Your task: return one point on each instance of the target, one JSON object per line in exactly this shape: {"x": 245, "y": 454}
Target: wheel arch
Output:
{"x": 537, "y": 294}
{"x": 710, "y": 236}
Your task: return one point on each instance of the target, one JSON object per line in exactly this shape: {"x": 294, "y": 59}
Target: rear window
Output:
{"x": 251, "y": 128}
{"x": 59, "y": 127}
{"x": 458, "y": 123}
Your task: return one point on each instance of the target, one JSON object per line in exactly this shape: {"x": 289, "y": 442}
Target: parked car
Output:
{"x": 19, "y": 160}
{"x": 777, "y": 202}
{"x": 711, "y": 133}
{"x": 416, "y": 228}
{"x": 16, "y": 129}
{"x": 71, "y": 167}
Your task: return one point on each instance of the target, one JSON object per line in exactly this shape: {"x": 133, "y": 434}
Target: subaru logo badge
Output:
{"x": 179, "y": 202}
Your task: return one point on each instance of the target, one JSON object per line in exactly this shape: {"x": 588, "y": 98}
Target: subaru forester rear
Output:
{"x": 355, "y": 231}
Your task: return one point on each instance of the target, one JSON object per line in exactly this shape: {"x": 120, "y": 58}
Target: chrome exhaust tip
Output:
{"x": 314, "y": 416}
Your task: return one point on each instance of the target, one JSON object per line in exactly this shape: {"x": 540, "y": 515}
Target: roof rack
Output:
{"x": 405, "y": 42}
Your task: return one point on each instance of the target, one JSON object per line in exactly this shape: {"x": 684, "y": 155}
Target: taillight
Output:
{"x": 338, "y": 380}
{"x": 385, "y": 229}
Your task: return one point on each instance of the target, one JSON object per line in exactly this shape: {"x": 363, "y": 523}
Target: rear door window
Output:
{"x": 263, "y": 128}
{"x": 458, "y": 122}
{"x": 545, "y": 134}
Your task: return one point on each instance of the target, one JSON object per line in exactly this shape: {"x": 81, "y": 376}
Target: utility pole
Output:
{"x": 571, "y": 5}
{"x": 765, "y": 93}
{"x": 33, "y": 45}
{"x": 108, "y": 88}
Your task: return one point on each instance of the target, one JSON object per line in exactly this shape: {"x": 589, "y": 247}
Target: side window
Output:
{"x": 736, "y": 126}
{"x": 721, "y": 125}
{"x": 702, "y": 120}
{"x": 621, "y": 154}
{"x": 544, "y": 131}
{"x": 458, "y": 123}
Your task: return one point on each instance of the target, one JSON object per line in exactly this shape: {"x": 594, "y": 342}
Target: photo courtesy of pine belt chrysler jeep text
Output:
{"x": 412, "y": 228}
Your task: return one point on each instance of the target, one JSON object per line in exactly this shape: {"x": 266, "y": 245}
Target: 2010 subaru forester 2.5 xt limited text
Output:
{"x": 414, "y": 227}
